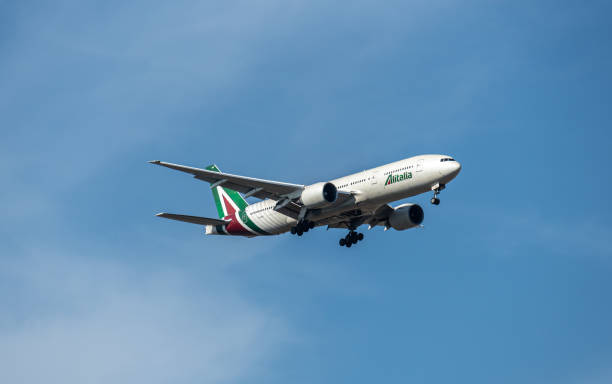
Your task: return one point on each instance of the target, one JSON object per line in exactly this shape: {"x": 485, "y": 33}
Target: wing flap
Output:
{"x": 192, "y": 219}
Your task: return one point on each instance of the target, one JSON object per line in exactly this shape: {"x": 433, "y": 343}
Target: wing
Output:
{"x": 192, "y": 219}
{"x": 285, "y": 193}
{"x": 249, "y": 186}
{"x": 350, "y": 219}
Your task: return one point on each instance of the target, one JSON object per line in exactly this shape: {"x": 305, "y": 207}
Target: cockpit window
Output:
{"x": 446, "y": 159}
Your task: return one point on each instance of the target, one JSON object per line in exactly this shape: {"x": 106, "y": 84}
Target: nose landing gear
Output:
{"x": 350, "y": 239}
{"x": 436, "y": 190}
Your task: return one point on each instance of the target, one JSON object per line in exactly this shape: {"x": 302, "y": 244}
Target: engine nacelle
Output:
{"x": 406, "y": 216}
{"x": 319, "y": 195}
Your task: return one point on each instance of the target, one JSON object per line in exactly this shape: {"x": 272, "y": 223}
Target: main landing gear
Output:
{"x": 350, "y": 239}
{"x": 302, "y": 227}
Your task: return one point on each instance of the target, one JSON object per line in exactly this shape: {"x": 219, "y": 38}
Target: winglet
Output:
{"x": 154, "y": 161}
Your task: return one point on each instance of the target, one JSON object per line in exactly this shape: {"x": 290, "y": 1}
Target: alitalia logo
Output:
{"x": 391, "y": 179}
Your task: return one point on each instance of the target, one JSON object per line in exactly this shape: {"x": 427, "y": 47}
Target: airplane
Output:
{"x": 346, "y": 202}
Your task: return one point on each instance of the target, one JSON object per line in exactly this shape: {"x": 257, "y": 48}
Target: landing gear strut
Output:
{"x": 436, "y": 190}
{"x": 350, "y": 239}
{"x": 302, "y": 227}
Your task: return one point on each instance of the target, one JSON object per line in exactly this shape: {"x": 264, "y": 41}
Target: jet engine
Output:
{"x": 406, "y": 216}
{"x": 319, "y": 195}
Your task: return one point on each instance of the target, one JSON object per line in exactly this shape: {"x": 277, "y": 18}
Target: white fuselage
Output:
{"x": 371, "y": 188}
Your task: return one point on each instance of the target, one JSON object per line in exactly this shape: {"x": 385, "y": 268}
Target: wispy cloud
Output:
{"x": 93, "y": 288}
{"x": 74, "y": 319}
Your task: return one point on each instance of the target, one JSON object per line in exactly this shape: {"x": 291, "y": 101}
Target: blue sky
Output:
{"x": 509, "y": 281}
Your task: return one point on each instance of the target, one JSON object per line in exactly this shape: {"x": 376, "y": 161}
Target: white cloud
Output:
{"x": 70, "y": 319}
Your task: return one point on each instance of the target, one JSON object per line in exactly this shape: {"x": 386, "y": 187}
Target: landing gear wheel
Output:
{"x": 435, "y": 201}
{"x": 351, "y": 238}
{"x": 302, "y": 227}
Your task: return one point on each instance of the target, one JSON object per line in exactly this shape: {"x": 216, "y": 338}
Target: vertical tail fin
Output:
{"x": 227, "y": 200}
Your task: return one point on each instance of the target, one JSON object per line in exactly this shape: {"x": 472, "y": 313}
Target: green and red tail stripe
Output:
{"x": 231, "y": 206}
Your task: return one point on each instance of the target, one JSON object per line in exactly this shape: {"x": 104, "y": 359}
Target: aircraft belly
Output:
{"x": 266, "y": 223}
{"x": 271, "y": 222}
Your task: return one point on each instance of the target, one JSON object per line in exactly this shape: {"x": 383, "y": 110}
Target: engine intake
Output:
{"x": 319, "y": 195}
{"x": 406, "y": 216}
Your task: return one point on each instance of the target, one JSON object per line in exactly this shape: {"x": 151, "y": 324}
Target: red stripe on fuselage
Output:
{"x": 235, "y": 228}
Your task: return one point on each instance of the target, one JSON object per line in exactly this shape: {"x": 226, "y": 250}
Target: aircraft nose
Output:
{"x": 451, "y": 170}
{"x": 456, "y": 168}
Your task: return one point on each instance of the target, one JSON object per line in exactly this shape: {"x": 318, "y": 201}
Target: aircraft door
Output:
{"x": 374, "y": 178}
{"x": 419, "y": 166}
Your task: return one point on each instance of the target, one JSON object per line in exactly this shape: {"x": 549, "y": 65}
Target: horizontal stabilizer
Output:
{"x": 193, "y": 219}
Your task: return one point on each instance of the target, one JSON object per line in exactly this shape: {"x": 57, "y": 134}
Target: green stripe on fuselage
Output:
{"x": 244, "y": 216}
{"x": 220, "y": 230}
